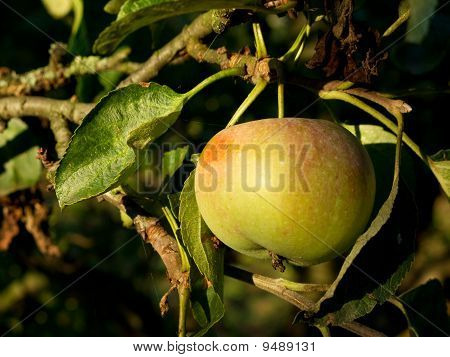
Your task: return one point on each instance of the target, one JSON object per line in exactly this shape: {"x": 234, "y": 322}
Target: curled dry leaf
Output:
{"x": 164, "y": 303}
{"x": 348, "y": 51}
{"x": 391, "y": 105}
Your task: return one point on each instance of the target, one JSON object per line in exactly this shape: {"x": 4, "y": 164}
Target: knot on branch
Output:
{"x": 254, "y": 69}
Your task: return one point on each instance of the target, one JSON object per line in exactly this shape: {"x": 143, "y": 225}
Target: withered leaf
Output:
{"x": 348, "y": 51}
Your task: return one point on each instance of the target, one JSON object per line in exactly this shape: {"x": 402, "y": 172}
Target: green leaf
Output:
{"x": 426, "y": 311}
{"x": 19, "y": 168}
{"x": 380, "y": 144}
{"x": 172, "y": 161}
{"x": 79, "y": 43}
{"x": 196, "y": 237}
{"x": 378, "y": 270}
{"x": 371, "y": 134}
{"x": 109, "y": 80}
{"x": 207, "y": 308}
{"x": 174, "y": 203}
{"x": 208, "y": 259}
{"x": 113, "y": 6}
{"x": 377, "y": 228}
{"x": 440, "y": 165}
{"x": 419, "y": 21}
{"x": 102, "y": 150}
{"x": 135, "y": 14}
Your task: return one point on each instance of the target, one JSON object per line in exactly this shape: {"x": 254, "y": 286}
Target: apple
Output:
{"x": 302, "y": 189}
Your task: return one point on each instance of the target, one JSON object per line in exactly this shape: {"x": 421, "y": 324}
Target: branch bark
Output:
{"x": 361, "y": 330}
{"x": 62, "y": 134}
{"x": 11, "y": 107}
{"x": 254, "y": 68}
{"x": 202, "y": 26}
{"x": 278, "y": 287}
{"x": 56, "y": 74}
{"x": 153, "y": 232}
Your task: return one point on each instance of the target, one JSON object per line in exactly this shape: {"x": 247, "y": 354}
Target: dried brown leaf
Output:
{"x": 347, "y": 50}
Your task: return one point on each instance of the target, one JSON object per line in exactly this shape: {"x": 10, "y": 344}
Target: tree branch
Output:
{"x": 202, "y": 26}
{"x": 56, "y": 74}
{"x": 272, "y": 286}
{"x": 361, "y": 330}
{"x": 279, "y": 288}
{"x": 153, "y": 232}
{"x": 11, "y": 107}
{"x": 61, "y": 132}
{"x": 255, "y": 68}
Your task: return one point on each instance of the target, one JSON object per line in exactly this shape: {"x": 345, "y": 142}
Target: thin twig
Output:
{"x": 57, "y": 74}
{"x": 273, "y": 286}
{"x": 202, "y": 26}
{"x": 278, "y": 287}
{"x": 401, "y": 19}
{"x": 254, "y": 68}
{"x": 61, "y": 132}
{"x": 361, "y": 330}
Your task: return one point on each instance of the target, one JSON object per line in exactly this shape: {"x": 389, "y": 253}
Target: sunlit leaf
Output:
{"x": 371, "y": 134}
{"x": 135, "y": 14}
{"x": 376, "y": 229}
{"x": 208, "y": 259}
{"x": 113, "y": 6}
{"x": 440, "y": 165}
{"x": 172, "y": 161}
{"x": 196, "y": 237}
{"x": 380, "y": 144}
{"x": 102, "y": 150}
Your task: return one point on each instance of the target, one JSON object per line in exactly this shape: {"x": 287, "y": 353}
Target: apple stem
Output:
{"x": 280, "y": 99}
{"x": 401, "y": 19}
{"x": 280, "y": 79}
{"x": 298, "y": 45}
{"x": 254, "y": 93}
{"x": 183, "y": 296}
{"x": 182, "y": 284}
{"x": 261, "y": 50}
{"x": 231, "y": 72}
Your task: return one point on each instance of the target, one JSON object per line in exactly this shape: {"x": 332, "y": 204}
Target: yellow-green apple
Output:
{"x": 300, "y": 188}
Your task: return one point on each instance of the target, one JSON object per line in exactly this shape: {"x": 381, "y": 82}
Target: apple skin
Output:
{"x": 301, "y": 188}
